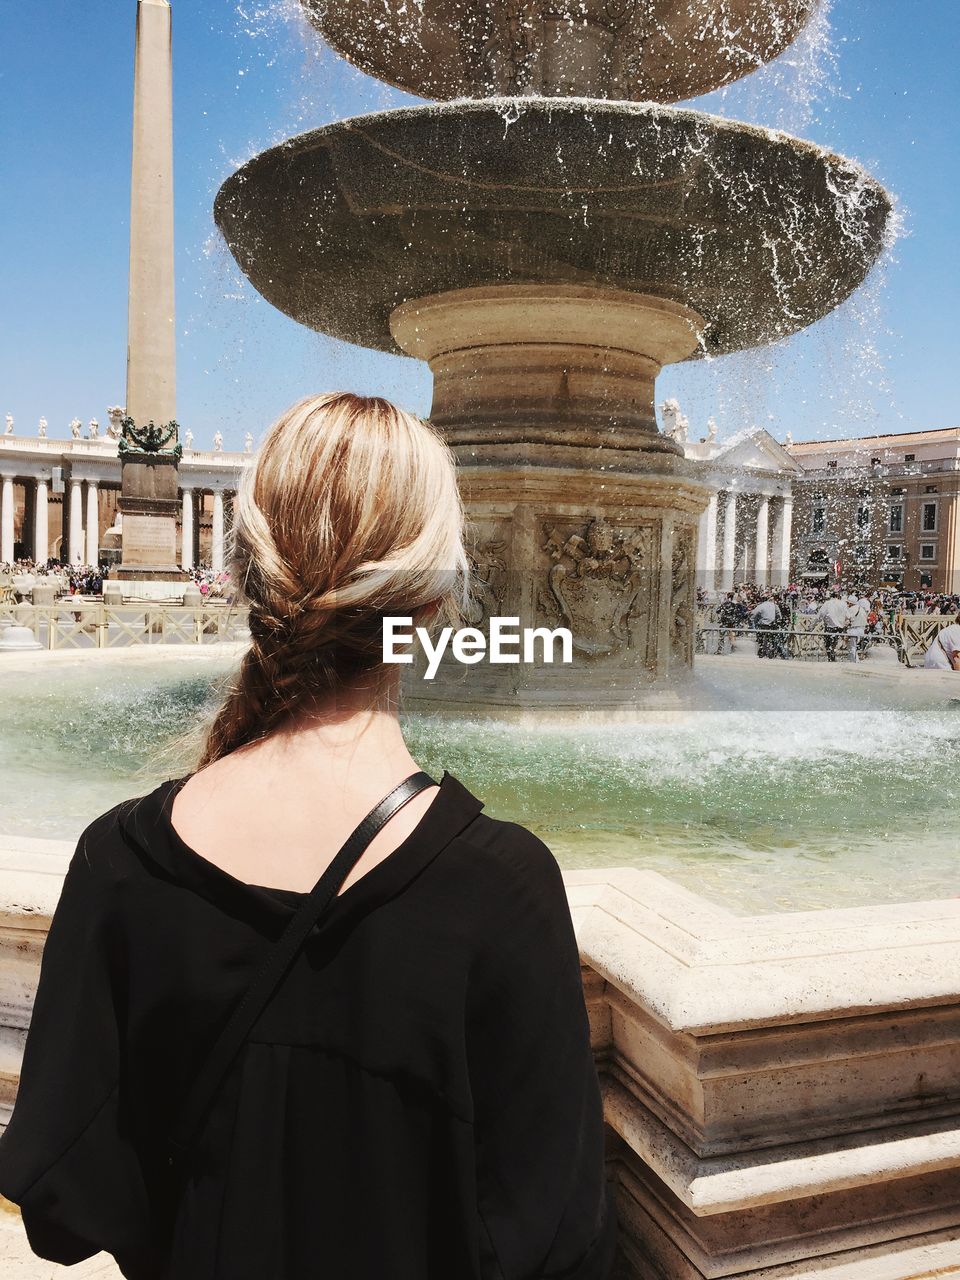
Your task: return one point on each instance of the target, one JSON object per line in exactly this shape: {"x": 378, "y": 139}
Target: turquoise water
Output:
{"x": 785, "y": 789}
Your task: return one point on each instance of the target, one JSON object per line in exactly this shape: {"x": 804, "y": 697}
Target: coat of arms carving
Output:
{"x": 595, "y": 581}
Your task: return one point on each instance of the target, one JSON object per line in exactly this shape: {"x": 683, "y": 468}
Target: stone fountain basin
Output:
{"x": 760, "y": 233}
{"x": 660, "y": 50}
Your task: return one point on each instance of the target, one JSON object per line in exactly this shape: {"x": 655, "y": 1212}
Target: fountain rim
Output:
{"x": 307, "y": 13}
{"x": 759, "y": 145}
{"x": 614, "y": 106}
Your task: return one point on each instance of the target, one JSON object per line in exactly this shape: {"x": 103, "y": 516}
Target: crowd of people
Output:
{"x": 87, "y": 580}
{"x": 856, "y": 616}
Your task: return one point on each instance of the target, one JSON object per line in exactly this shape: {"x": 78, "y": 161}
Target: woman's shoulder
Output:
{"x": 507, "y": 860}
{"x": 106, "y": 847}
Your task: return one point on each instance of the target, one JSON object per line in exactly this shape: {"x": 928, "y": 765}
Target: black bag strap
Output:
{"x": 281, "y": 956}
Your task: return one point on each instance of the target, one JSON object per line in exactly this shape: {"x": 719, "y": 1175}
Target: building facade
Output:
{"x": 882, "y": 510}
{"x": 745, "y": 532}
{"x": 58, "y": 498}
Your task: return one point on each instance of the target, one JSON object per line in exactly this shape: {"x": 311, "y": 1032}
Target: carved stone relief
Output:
{"x": 512, "y": 46}
{"x": 682, "y": 590}
{"x": 487, "y": 554}
{"x": 598, "y": 583}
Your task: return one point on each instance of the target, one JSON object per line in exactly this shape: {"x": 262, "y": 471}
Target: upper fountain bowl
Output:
{"x": 759, "y": 233}
{"x": 636, "y": 50}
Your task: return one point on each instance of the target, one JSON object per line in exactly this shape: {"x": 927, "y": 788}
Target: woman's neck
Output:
{"x": 355, "y": 735}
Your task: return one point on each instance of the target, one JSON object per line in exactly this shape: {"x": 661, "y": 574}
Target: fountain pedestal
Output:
{"x": 583, "y": 514}
{"x": 548, "y": 365}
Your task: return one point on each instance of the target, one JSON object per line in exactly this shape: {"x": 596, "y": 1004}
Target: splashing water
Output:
{"x": 787, "y": 91}
{"x": 784, "y": 790}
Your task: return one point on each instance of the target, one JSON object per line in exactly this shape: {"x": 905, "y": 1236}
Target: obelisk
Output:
{"x": 149, "y": 448}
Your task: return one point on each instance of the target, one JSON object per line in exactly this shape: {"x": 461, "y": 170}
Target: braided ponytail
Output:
{"x": 350, "y": 513}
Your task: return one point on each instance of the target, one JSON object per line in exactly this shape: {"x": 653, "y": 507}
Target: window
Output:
{"x": 896, "y": 518}
{"x": 893, "y": 551}
{"x": 818, "y": 519}
{"x": 832, "y": 464}
{"x": 928, "y": 520}
{"x": 863, "y": 517}
{"x": 926, "y": 580}
{"x": 875, "y": 462}
{"x": 928, "y": 551}
{"x": 931, "y": 488}
{"x": 909, "y": 457}
{"x": 862, "y": 552}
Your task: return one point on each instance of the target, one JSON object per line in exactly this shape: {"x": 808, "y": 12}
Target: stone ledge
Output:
{"x": 771, "y": 1175}
{"x": 710, "y": 971}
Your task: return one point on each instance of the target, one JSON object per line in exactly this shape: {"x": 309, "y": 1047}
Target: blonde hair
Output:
{"x": 349, "y": 513}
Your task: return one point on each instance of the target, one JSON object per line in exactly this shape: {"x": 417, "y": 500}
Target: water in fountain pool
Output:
{"x": 789, "y": 788}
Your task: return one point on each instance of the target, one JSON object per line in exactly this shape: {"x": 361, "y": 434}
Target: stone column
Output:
{"x": 41, "y": 527}
{"x": 707, "y": 547}
{"x": 783, "y": 521}
{"x": 93, "y": 523}
{"x": 149, "y": 491}
{"x": 151, "y": 350}
{"x": 761, "y": 572}
{"x": 729, "y": 542}
{"x": 6, "y": 520}
{"x": 216, "y": 550}
{"x": 76, "y": 521}
{"x": 186, "y": 531}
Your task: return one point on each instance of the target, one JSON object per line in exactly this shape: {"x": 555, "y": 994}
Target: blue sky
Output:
{"x": 884, "y": 90}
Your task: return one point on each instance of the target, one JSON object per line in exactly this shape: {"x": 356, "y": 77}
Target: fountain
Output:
{"x": 547, "y": 249}
{"x": 780, "y": 1081}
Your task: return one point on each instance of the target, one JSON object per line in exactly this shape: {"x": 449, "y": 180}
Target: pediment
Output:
{"x": 756, "y": 450}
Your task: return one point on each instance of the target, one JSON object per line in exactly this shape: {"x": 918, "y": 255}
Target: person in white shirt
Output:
{"x": 766, "y": 612}
{"x": 765, "y": 618}
{"x": 857, "y": 616}
{"x": 833, "y": 613}
{"x": 944, "y": 652}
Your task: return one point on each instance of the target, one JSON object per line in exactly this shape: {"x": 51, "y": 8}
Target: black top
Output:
{"x": 418, "y": 1101}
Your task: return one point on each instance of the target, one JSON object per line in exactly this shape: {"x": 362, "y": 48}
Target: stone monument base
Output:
{"x": 131, "y": 574}
{"x": 149, "y": 587}
{"x": 149, "y": 506}
{"x": 583, "y": 515}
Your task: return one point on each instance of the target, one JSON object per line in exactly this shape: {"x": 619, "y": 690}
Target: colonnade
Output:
{"x": 83, "y": 530}
{"x": 744, "y": 537}
{"x": 188, "y": 525}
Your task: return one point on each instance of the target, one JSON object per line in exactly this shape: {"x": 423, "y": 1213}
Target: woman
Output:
{"x": 418, "y": 1099}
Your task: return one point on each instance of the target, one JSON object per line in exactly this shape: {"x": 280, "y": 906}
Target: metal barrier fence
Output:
{"x": 74, "y": 623}
{"x": 91, "y": 624}
{"x": 917, "y": 632}
{"x": 808, "y": 645}
{"x": 910, "y": 635}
